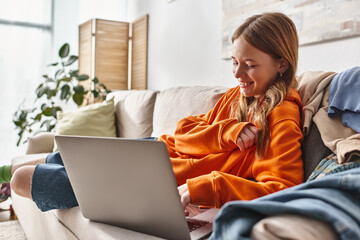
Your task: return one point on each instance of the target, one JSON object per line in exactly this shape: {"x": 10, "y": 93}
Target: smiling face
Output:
{"x": 254, "y": 69}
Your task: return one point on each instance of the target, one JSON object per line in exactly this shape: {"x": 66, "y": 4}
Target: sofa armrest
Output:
{"x": 41, "y": 143}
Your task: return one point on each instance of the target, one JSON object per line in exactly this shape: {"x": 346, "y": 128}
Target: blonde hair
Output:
{"x": 274, "y": 34}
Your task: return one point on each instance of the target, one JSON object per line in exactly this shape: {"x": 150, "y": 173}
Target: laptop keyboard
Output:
{"x": 194, "y": 224}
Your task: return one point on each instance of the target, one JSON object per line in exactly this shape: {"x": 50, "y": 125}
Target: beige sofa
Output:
{"x": 153, "y": 113}
{"x": 138, "y": 114}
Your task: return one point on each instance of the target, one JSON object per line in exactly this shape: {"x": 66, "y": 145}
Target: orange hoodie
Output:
{"x": 204, "y": 154}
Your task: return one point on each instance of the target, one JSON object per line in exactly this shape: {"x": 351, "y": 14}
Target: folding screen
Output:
{"x": 104, "y": 50}
{"x": 139, "y": 53}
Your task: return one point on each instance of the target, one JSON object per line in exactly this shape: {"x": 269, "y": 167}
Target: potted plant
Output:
{"x": 55, "y": 91}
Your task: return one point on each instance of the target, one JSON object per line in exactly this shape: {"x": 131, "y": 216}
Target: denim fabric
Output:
{"x": 51, "y": 188}
{"x": 330, "y": 165}
{"x": 344, "y": 97}
{"x": 334, "y": 199}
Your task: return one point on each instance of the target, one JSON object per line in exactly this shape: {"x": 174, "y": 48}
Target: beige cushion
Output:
{"x": 66, "y": 224}
{"x": 93, "y": 120}
{"x": 292, "y": 226}
{"x": 134, "y": 112}
{"x": 176, "y": 103}
{"x": 85, "y": 229}
{"x": 40, "y": 143}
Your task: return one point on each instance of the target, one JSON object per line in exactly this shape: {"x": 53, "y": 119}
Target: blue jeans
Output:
{"x": 51, "y": 187}
{"x": 334, "y": 199}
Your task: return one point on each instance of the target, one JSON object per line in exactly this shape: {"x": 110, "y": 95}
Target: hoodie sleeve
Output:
{"x": 197, "y": 137}
{"x": 281, "y": 167}
{"x": 209, "y": 133}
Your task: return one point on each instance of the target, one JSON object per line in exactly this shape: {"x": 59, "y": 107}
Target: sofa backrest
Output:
{"x": 134, "y": 112}
{"x": 144, "y": 113}
{"x": 176, "y": 103}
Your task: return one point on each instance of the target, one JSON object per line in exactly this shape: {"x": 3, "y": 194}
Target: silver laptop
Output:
{"x": 130, "y": 184}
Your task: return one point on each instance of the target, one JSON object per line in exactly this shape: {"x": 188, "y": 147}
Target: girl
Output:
{"x": 247, "y": 146}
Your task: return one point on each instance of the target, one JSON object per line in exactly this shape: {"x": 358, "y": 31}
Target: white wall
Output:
{"x": 185, "y": 45}
{"x": 334, "y": 56}
{"x": 69, "y": 14}
{"x": 65, "y": 28}
{"x": 184, "y": 42}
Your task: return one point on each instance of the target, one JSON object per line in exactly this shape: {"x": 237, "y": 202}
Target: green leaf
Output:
{"x": 38, "y": 117}
{"x": 65, "y": 79}
{"x": 17, "y": 123}
{"x": 78, "y": 98}
{"x": 95, "y": 93}
{"x": 41, "y": 91}
{"x": 47, "y": 112}
{"x": 59, "y": 72}
{"x": 79, "y": 89}
{"x": 82, "y": 77}
{"x": 52, "y": 64}
{"x": 51, "y": 127}
{"x": 74, "y": 73}
{"x": 51, "y": 93}
{"x": 57, "y": 109}
{"x": 95, "y": 80}
{"x": 65, "y": 90}
{"x": 107, "y": 90}
{"x": 23, "y": 116}
{"x": 43, "y": 107}
{"x": 64, "y": 50}
{"x": 40, "y": 86}
{"x": 45, "y": 123}
{"x": 71, "y": 60}
{"x": 54, "y": 111}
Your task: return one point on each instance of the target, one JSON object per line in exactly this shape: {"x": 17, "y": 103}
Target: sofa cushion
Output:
{"x": 134, "y": 112}
{"x": 66, "y": 224}
{"x": 42, "y": 142}
{"x": 188, "y": 101}
{"x": 84, "y": 228}
{"x": 93, "y": 120}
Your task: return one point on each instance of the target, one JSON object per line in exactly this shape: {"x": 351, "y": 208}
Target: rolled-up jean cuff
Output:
{"x": 51, "y": 188}
{"x": 54, "y": 158}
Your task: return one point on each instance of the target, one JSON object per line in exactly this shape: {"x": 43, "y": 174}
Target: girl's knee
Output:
{"x": 21, "y": 181}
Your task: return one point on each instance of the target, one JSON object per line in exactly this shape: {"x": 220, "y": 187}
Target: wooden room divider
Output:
{"x": 114, "y": 52}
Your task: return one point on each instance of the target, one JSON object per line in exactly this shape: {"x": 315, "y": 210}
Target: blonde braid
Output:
{"x": 273, "y": 97}
{"x": 259, "y": 112}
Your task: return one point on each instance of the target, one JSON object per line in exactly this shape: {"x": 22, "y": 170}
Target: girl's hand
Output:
{"x": 184, "y": 196}
{"x": 248, "y": 137}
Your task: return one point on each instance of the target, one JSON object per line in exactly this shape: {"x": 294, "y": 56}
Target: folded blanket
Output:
{"x": 342, "y": 140}
{"x": 344, "y": 97}
{"x": 312, "y": 88}
{"x": 333, "y": 199}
